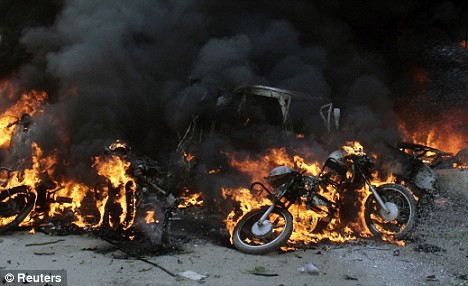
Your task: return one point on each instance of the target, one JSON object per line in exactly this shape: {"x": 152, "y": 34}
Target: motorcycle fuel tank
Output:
{"x": 280, "y": 175}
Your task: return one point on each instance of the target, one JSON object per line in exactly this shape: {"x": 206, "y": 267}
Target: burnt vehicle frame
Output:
{"x": 236, "y": 109}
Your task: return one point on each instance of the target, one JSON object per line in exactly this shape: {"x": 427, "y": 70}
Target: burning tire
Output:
{"x": 251, "y": 238}
{"x": 119, "y": 210}
{"x": 15, "y": 205}
{"x": 401, "y": 215}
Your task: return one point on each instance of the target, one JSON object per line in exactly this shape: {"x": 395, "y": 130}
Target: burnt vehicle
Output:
{"x": 389, "y": 210}
{"x": 147, "y": 199}
{"x": 435, "y": 158}
{"x": 431, "y": 156}
{"x": 256, "y": 116}
{"x": 416, "y": 165}
{"x": 17, "y": 202}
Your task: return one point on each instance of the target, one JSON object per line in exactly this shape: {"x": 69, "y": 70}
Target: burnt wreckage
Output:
{"x": 246, "y": 107}
{"x": 241, "y": 108}
{"x": 159, "y": 187}
{"x": 416, "y": 165}
{"x": 150, "y": 202}
{"x": 154, "y": 192}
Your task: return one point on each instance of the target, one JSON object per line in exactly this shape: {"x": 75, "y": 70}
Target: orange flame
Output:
{"x": 68, "y": 195}
{"x": 149, "y": 218}
{"x": 114, "y": 168}
{"x": 444, "y": 136}
{"x": 191, "y": 200}
{"x": 189, "y": 157}
{"x": 305, "y": 220}
{"x": 29, "y": 102}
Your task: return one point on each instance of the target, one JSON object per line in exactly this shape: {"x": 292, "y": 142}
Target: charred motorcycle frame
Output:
{"x": 389, "y": 210}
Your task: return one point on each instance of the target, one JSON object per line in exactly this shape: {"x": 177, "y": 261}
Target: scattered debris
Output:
{"x": 347, "y": 277}
{"x": 261, "y": 271}
{"x": 431, "y": 278}
{"x": 44, "y": 243}
{"x": 44, "y": 253}
{"x": 258, "y": 269}
{"x": 191, "y": 275}
{"x": 141, "y": 258}
{"x": 396, "y": 252}
{"x": 264, "y": 274}
{"x": 309, "y": 268}
{"x": 428, "y": 248}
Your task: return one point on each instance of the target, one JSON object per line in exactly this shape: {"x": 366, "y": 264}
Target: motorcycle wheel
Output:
{"x": 273, "y": 234}
{"x": 15, "y": 206}
{"x": 401, "y": 218}
{"x": 116, "y": 206}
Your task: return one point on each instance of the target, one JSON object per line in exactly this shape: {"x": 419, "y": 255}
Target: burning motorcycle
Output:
{"x": 140, "y": 201}
{"x": 16, "y": 203}
{"x": 18, "y": 199}
{"x": 389, "y": 210}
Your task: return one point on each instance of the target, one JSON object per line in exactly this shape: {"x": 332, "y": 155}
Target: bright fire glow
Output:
{"x": 149, "y": 218}
{"x": 29, "y": 102}
{"x": 337, "y": 230}
{"x": 64, "y": 196}
{"x": 69, "y": 195}
{"x": 191, "y": 200}
{"x": 445, "y": 138}
{"x": 114, "y": 168}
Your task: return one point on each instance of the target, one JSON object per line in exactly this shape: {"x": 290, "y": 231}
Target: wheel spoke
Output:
{"x": 245, "y": 233}
{"x": 399, "y": 203}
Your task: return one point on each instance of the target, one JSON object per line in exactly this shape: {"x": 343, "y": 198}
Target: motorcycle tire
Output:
{"x": 281, "y": 229}
{"x": 113, "y": 209}
{"x": 402, "y": 217}
{"x": 15, "y": 206}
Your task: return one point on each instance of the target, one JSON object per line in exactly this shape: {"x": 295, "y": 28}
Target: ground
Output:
{"x": 437, "y": 254}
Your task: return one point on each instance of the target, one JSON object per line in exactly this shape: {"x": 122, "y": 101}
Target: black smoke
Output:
{"x": 121, "y": 69}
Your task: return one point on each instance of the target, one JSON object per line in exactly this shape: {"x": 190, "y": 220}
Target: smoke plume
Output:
{"x": 122, "y": 69}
